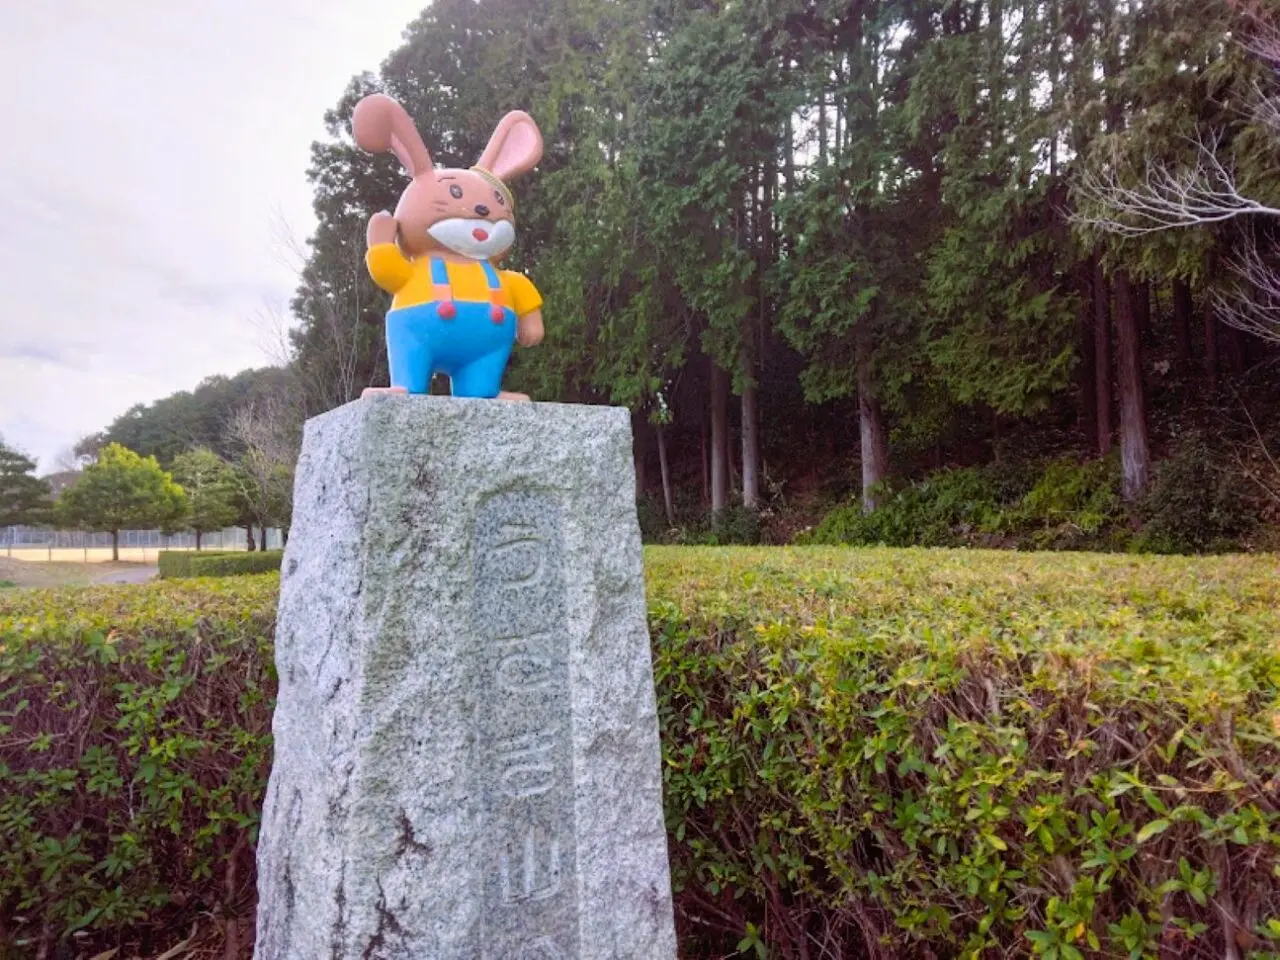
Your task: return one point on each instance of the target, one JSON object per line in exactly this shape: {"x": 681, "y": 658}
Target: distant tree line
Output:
{"x": 200, "y": 461}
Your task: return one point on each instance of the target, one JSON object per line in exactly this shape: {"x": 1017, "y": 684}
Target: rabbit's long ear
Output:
{"x": 380, "y": 124}
{"x": 515, "y": 147}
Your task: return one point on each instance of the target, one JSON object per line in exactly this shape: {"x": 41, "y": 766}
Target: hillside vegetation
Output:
{"x": 867, "y": 753}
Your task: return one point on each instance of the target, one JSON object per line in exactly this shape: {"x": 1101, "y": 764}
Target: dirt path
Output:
{"x": 58, "y": 574}
{"x": 128, "y": 573}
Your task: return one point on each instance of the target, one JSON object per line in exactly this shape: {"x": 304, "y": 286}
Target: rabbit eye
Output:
{"x": 456, "y": 192}
{"x": 498, "y": 196}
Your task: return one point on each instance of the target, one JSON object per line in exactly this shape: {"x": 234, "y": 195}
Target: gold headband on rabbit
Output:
{"x": 498, "y": 185}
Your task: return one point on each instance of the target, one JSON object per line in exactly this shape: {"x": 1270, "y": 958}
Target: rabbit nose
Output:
{"x": 482, "y": 210}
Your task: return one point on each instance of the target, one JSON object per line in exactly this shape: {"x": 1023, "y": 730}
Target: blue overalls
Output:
{"x": 469, "y": 341}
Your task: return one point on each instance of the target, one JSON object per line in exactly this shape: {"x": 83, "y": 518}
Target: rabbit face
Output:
{"x": 458, "y": 210}
{"x": 467, "y": 212}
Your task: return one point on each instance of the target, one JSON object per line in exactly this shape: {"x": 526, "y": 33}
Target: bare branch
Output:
{"x": 1166, "y": 199}
{"x": 1252, "y": 303}
{"x": 1264, "y": 43}
{"x": 1265, "y": 110}
{"x": 1240, "y": 311}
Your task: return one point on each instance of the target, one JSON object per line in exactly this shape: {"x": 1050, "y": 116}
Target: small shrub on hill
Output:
{"x": 1072, "y": 506}
{"x": 947, "y": 508}
{"x": 1194, "y": 506}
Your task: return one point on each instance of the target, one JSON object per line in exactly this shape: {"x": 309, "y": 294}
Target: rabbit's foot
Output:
{"x": 373, "y": 391}
{"x": 515, "y": 397}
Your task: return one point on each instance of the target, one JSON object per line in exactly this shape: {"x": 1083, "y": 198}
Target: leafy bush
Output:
{"x": 1193, "y": 505}
{"x": 695, "y": 526}
{"x": 1072, "y": 504}
{"x": 179, "y": 564}
{"x": 7, "y": 583}
{"x": 885, "y": 753}
{"x": 947, "y": 508}
{"x": 134, "y": 747}
{"x": 237, "y": 564}
{"x": 1065, "y": 505}
{"x": 911, "y": 754}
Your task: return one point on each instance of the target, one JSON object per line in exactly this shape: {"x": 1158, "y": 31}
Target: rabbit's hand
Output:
{"x": 382, "y": 229}
{"x": 529, "y": 329}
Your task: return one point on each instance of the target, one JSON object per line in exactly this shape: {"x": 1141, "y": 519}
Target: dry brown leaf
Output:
{"x": 106, "y": 954}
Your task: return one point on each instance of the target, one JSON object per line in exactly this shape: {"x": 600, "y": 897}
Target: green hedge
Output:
{"x": 176, "y": 564}
{"x": 134, "y": 749}
{"x": 237, "y": 564}
{"x": 874, "y": 753}
{"x": 179, "y": 564}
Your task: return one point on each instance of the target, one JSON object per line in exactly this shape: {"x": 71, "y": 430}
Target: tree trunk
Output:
{"x": 1210, "y": 345}
{"x": 705, "y": 461}
{"x": 1234, "y": 350}
{"x": 262, "y": 529}
{"x": 1134, "y": 454}
{"x": 1102, "y": 357}
{"x": 1142, "y": 309}
{"x": 639, "y": 452}
{"x": 248, "y": 539}
{"x": 1182, "y": 310}
{"x": 875, "y": 447}
{"x": 1088, "y": 375}
{"x": 750, "y": 448}
{"x": 115, "y": 545}
{"x": 198, "y": 535}
{"x": 666, "y": 477}
{"x": 719, "y": 440}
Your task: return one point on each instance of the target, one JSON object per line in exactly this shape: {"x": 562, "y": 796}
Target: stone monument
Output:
{"x": 466, "y": 740}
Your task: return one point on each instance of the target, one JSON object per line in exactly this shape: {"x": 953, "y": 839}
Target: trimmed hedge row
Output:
{"x": 134, "y": 743}
{"x": 872, "y": 753}
{"x": 180, "y": 564}
{"x": 887, "y": 753}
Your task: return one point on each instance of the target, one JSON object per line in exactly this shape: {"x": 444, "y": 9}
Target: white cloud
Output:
{"x": 150, "y": 152}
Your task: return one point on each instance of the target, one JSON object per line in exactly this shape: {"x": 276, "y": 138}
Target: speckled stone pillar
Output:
{"x": 466, "y": 739}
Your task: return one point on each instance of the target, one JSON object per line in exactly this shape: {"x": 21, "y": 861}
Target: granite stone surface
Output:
{"x": 466, "y": 740}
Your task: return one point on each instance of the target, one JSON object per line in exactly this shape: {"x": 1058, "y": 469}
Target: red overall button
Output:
{"x": 447, "y": 311}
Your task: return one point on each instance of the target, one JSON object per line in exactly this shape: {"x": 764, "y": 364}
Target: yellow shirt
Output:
{"x": 409, "y": 281}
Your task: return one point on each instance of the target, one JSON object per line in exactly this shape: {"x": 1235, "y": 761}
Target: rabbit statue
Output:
{"x": 452, "y": 311}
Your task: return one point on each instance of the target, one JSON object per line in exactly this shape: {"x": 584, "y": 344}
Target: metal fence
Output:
{"x": 42, "y": 543}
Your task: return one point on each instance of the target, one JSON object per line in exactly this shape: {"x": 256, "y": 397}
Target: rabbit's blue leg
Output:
{"x": 482, "y": 377}
{"x": 408, "y": 349}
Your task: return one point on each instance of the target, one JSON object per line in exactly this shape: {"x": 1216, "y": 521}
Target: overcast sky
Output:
{"x": 151, "y": 151}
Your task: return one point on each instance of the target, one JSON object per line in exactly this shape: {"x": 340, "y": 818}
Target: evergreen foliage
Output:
{"x": 24, "y": 497}
{"x": 855, "y": 218}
